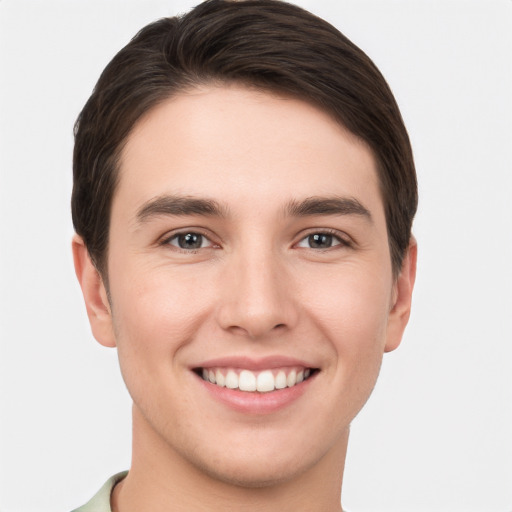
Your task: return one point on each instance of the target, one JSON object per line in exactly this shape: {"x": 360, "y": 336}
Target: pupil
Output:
{"x": 190, "y": 241}
{"x": 320, "y": 241}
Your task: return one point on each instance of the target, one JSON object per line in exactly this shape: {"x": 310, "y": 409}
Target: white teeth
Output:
{"x": 280, "y": 380}
{"x": 231, "y": 380}
{"x": 247, "y": 381}
{"x": 291, "y": 380}
{"x": 265, "y": 382}
{"x": 219, "y": 378}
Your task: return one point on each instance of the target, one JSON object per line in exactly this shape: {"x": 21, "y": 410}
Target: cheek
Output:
{"x": 352, "y": 315}
{"x": 353, "y": 309}
{"x": 154, "y": 315}
{"x": 157, "y": 300}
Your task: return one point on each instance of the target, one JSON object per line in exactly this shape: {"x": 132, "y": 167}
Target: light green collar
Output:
{"x": 100, "y": 502}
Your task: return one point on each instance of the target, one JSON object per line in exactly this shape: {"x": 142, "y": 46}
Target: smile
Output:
{"x": 263, "y": 382}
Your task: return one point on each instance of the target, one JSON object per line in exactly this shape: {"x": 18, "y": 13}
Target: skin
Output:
{"x": 255, "y": 288}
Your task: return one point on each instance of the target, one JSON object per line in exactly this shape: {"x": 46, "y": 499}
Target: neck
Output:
{"x": 161, "y": 479}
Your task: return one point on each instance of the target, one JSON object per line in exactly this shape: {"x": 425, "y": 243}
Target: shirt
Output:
{"x": 100, "y": 502}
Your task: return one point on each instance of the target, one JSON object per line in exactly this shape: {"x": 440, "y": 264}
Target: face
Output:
{"x": 250, "y": 281}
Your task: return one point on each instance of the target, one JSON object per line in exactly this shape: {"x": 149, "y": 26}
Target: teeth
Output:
{"x": 291, "y": 380}
{"x": 280, "y": 382}
{"x": 231, "y": 380}
{"x": 219, "y": 378}
{"x": 263, "y": 382}
{"x": 246, "y": 381}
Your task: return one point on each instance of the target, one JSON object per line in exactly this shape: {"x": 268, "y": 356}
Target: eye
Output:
{"x": 189, "y": 241}
{"x": 320, "y": 241}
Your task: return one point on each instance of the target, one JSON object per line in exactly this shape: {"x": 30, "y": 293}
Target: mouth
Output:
{"x": 264, "y": 381}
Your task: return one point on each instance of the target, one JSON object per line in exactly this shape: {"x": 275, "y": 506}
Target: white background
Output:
{"x": 437, "y": 433}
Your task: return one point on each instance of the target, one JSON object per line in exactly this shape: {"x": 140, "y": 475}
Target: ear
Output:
{"x": 95, "y": 294}
{"x": 402, "y": 297}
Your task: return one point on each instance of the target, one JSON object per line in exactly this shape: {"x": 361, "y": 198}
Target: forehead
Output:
{"x": 244, "y": 145}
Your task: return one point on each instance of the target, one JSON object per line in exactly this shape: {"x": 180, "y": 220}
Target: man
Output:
{"x": 244, "y": 191}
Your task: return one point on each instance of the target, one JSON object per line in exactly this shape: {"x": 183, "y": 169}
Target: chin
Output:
{"x": 254, "y": 474}
{"x": 267, "y": 461}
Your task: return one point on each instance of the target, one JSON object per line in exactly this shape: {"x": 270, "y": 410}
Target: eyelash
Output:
{"x": 168, "y": 239}
{"x": 341, "y": 241}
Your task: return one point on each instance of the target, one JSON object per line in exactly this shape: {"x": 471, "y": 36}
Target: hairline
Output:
{"x": 189, "y": 85}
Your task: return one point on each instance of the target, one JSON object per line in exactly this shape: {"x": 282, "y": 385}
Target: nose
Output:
{"x": 257, "y": 297}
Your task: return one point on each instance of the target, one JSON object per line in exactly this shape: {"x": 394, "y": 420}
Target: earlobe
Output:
{"x": 400, "y": 312}
{"x": 94, "y": 293}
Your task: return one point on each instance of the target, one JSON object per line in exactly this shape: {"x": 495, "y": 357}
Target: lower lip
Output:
{"x": 255, "y": 402}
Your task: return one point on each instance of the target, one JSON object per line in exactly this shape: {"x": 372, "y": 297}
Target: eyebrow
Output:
{"x": 180, "y": 205}
{"x": 185, "y": 205}
{"x": 327, "y": 206}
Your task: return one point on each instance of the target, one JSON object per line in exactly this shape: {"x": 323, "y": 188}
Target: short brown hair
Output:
{"x": 268, "y": 44}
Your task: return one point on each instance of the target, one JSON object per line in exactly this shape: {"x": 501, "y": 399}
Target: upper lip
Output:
{"x": 253, "y": 364}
